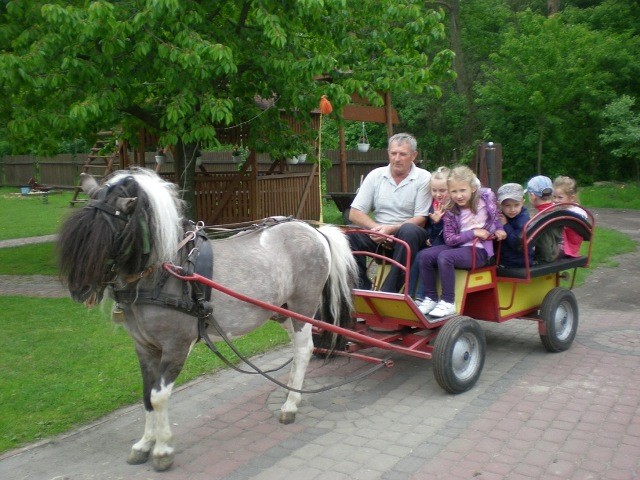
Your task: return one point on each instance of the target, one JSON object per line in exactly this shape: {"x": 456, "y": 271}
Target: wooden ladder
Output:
{"x": 98, "y": 163}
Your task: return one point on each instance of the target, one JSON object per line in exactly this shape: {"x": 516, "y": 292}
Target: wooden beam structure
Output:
{"x": 361, "y": 110}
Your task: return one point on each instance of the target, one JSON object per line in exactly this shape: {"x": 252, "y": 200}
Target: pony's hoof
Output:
{"x": 287, "y": 417}
{"x": 137, "y": 457}
{"x": 163, "y": 462}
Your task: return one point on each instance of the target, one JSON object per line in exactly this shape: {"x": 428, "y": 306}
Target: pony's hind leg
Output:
{"x": 300, "y": 334}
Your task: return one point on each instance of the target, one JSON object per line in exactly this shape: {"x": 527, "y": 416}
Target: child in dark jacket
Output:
{"x": 513, "y": 218}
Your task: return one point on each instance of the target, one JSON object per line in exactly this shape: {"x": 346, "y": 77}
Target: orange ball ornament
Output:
{"x": 325, "y": 105}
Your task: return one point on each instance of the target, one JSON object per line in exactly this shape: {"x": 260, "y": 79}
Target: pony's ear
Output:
{"x": 89, "y": 185}
{"x": 126, "y": 205}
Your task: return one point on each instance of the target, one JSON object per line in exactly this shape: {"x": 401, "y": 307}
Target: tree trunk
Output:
{"x": 463, "y": 84}
{"x": 185, "y": 169}
{"x": 540, "y": 141}
{"x": 552, "y": 7}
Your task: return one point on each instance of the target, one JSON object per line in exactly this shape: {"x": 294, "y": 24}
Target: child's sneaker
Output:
{"x": 426, "y": 306}
{"x": 442, "y": 309}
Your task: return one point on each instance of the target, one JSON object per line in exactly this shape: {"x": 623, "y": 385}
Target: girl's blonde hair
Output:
{"x": 567, "y": 184}
{"x": 466, "y": 175}
{"x": 441, "y": 173}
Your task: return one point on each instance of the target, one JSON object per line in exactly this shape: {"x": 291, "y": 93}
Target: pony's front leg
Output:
{"x": 300, "y": 334}
{"x": 141, "y": 449}
{"x": 163, "y": 452}
{"x": 149, "y": 359}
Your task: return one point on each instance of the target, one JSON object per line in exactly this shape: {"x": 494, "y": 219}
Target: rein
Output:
{"x": 202, "y": 331}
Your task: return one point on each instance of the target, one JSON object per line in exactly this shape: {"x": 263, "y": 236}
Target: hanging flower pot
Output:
{"x": 363, "y": 144}
{"x": 292, "y": 161}
{"x": 161, "y": 158}
{"x": 363, "y": 147}
{"x": 302, "y": 158}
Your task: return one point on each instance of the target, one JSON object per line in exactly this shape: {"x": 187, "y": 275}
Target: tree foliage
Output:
{"x": 537, "y": 84}
{"x": 622, "y": 133}
{"x": 182, "y": 68}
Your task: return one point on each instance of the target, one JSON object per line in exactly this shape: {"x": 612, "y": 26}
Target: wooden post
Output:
{"x": 343, "y": 159}
{"x": 141, "y": 149}
{"x": 387, "y": 114}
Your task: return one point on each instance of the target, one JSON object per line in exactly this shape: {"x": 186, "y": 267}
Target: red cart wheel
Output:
{"x": 559, "y": 314}
{"x": 458, "y": 355}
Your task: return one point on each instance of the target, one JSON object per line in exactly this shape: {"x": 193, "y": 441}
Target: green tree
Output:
{"x": 547, "y": 76}
{"x": 622, "y": 132}
{"x": 181, "y": 68}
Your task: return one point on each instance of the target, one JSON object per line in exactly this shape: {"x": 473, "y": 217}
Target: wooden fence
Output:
{"x": 62, "y": 171}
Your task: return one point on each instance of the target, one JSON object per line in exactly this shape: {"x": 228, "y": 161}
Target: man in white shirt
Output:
{"x": 399, "y": 197}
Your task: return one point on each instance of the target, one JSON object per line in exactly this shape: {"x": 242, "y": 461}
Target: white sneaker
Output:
{"x": 426, "y": 306}
{"x": 442, "y": 309}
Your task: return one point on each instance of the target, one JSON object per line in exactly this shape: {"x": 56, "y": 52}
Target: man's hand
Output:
{"x": 386, "y": 229}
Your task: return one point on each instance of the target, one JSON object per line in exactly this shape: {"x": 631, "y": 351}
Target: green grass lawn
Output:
{"x": 611, "y": 195}
{"x": 63, "y": 366}
{"x": 29, "y": 216}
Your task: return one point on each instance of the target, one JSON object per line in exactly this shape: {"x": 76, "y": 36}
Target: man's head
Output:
{"x": 540, "y": 190}
{"x": 511, "y": 199}
{"x": 402, "y": 150}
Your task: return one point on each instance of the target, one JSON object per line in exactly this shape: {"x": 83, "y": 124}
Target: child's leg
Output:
{"x": 414, "y": 278}
{"x": 428, "y": 259}
{"x": 456, "y": 258}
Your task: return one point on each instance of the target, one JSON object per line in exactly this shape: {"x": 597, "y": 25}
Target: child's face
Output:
{"x": 510, "y": 208}
{"x": 439, "y": 190}
{"x": 460, "y": 192}
{"x": 560, "y": 196}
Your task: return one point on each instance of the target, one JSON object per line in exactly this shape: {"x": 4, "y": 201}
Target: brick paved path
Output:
{"x": 532, "y": 415}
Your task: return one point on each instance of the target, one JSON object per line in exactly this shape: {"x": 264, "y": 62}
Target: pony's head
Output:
{"x": 132, "y": 222}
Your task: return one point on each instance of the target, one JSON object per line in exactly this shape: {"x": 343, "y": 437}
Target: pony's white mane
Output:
{"x": 166, "y": 213}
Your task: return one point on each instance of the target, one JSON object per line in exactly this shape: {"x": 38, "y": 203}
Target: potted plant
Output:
{"x": 239, "y": 153}
{"x": 161, "y": 156}
{"x": 363, "y": 144}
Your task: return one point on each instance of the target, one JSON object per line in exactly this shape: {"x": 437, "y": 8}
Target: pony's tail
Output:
{"x": 337, "y": 300}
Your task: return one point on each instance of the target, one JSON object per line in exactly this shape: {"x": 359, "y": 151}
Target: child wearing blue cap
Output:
{"x": 540, "y": 190}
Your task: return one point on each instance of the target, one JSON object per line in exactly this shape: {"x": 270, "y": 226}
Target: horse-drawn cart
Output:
{"x": 456, "y": 343}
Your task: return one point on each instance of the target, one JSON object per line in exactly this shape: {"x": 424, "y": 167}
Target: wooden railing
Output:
{"x": 269, "y": 195}
{"x": 64, "y": 170}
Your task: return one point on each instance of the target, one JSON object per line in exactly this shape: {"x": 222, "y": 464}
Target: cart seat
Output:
{"x": 558, "y": 216}
{"x": 559, "y": 265}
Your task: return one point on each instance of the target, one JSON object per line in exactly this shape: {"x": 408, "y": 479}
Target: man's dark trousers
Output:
{"x": 416, "y": 238}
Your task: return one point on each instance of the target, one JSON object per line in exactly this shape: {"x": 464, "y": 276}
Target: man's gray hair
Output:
{"x": 401, "y": 138}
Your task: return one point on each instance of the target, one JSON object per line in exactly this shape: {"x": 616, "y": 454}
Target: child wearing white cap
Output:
{"x": 513, "y": 218}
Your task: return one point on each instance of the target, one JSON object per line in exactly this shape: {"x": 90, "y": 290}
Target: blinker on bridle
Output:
{"x": 99, "y": 203}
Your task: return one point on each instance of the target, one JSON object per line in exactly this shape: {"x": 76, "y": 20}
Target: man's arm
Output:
{"x": 361, "y": 219}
